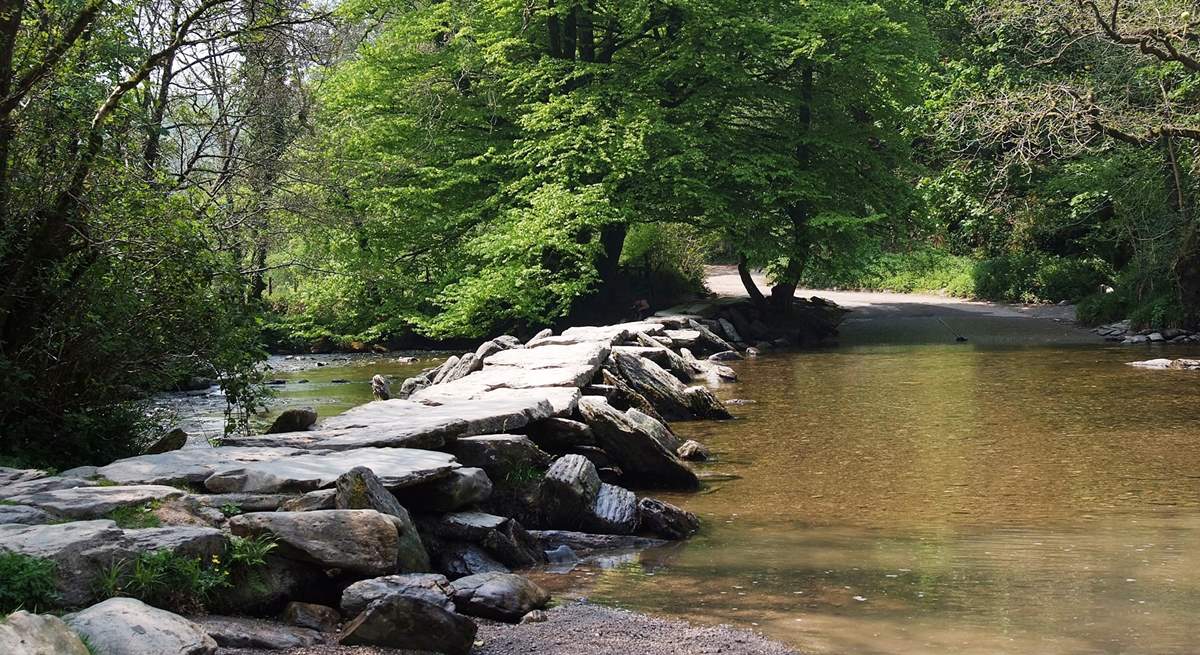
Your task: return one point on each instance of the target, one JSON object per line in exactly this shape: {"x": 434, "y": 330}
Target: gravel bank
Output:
{"x": 583, "y": 629}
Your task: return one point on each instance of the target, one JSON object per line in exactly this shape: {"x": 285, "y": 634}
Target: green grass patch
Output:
{"x": 7, "y": 502}
{"x": 27, "y": 583}
{"x": 522, "y": 474}
{"x": 231, "y": 509}
{"x": 136, "y": 516}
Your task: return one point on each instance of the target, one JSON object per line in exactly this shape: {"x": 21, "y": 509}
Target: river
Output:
{"x": 1021, "y": 492}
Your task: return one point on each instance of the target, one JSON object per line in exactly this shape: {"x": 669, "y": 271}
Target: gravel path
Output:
{"x": 584, "y": 629}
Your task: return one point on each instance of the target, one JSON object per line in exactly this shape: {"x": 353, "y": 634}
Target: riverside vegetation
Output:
{"x": 186, "y": 184}
{"x": 393, "y": 524}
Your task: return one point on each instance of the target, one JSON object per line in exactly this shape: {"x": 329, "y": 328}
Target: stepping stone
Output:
{"x": 39, "y": 485}
{"x": 25, "y": 515}
{"x": 396, "y": 468}
{"x": 193, "y": 465}
{"x": 95, "y": 502}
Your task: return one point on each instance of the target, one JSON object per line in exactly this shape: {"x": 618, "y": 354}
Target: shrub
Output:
{"x": 1060, "y": 278}
{"x": 26, "y": 583}
{"x": 1008, "y": 278}
{"x": 1100, "y": 308}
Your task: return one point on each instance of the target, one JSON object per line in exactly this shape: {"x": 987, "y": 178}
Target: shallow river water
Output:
{"x": 904, "y": 494}
{"x": 1024, "y": 492}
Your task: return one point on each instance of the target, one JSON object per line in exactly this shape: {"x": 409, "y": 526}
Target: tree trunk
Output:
{"x": 748, "y": 281}
{"x": 798, "y": 212}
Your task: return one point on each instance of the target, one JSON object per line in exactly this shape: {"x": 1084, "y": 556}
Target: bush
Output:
{"x": 26, "y": 583}
{"x": 1060, "y": 278}
{"x": 1008, "y": 278}
{"x": 1100, "y": 308}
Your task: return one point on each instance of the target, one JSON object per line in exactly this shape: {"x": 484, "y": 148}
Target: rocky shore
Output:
{"x": 397, "y": 524}
{"x": 1123, "y": 333}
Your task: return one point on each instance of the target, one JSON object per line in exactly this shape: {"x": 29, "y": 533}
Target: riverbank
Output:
{"x": 394, "y": 523}
{"x": 585, "y": 629}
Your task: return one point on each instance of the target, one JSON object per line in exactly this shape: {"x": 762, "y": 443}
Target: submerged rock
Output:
{"x": 666, "y": 520}
{"x": 615, "y": 511}
{"x": 693, "y": 451}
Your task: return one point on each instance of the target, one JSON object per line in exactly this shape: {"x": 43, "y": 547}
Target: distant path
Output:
{"x": 724, "y": 281}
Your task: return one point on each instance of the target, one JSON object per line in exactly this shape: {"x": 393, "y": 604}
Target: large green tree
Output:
{"x": 490, "y": 157}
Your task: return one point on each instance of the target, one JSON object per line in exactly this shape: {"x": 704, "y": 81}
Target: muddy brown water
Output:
{"x": 1024, "y": 492}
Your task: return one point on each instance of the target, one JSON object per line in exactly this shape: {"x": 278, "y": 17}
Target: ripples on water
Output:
{"x": 911, "y": 498}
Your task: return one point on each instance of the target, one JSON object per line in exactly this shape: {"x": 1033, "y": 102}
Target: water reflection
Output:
{"x": 904, "y": 499}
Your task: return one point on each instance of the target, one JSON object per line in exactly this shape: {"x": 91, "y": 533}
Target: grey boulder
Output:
{"x": 498, "y": 596}
{"x": 429, "y": 587}
{"x": 312, "y": 616}
{"x": 295, "y": 419}
{"x": 413, "y": 624}
{"x": 643, "y": 459}
{"x": 364, "y": 541}
{"x": 359, "y": 488}
{"x": 238, "y": 632}
{"x": 666, "y": 520}
{"x": 126, "y": 626}
{"x": 463, "y": 488}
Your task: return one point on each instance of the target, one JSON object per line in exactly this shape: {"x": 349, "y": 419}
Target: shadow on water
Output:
{"x": 904, "y": 494}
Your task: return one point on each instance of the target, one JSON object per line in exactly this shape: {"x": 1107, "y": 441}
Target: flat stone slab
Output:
{"x": 608, "y": 334}
{"x": 95, "y": 502}
{"x": 418, "y": 431}
{"x": 11, "y": 476}
{"x": 592, "y": 353}
{"x": 192, "y": 465}
{"x": 396, "y": 467}
{"x": 25, "y": 515}
{"x": 1169, "y": 364}
{"x": 239, "y": 632}
{"x": 37, "y": 485}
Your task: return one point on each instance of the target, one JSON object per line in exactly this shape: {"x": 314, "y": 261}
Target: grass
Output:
{"x": 136, "y": 516}
{"x": 231, "y": 509}
{"x": 27, "y": 583}
{"x": 522, "y": 474}
{"x": 7, "y": 502}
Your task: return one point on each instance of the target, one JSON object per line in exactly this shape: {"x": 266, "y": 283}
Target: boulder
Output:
{"x": 730, "y": 331}
{"x": 659, "y": 431}
{"x": 173, "y": 440}
{"x": 412, "y": 624}
{"x": 502, "y": 456}
{"x": 381, "y": 387}
{"x": 693, "y": 451}
{"x": 568, "y": 491}
{"x": 275, "y": 582}
{"x": 445, "y": 369}
{"x": 503, "y": 538}
{"x": 312, "y": 616}
{"x": 666, "y": 393}
{"x": 463, "y": 488}
{"x": 456, "y": 414}
{"x": 666, "y": 520}
{"x": 559, "y": 434}
{"x": 643, "y": 460}
{"x": 508, "y": 342}
{"x": 13, "y": 476}
{"x": 25, "y": 515}
{"x": 294, "y": 419}
{"x": 412, "y": 385}
{"x": 126, "y": 626}
{"x": 238, "y": 632}
{"x": 615, "y": 511}
{"x": 311, "y": 501}
{"x": 704, "y": 404}
{"x": 725, "y": 356}
{"x": 95, "y": 502}
{"x": 674, "y": 363}
{"x": 623, "y": 397}
{"x": 396, "y": 468}
{"x": 458, "y": 559}
{"x": 360, "y": 541}
{"x": 709, "y": 339}
{"x": 359, "y": 488}
{"x": 22, "y": 633}
{"x": 429, "y": 587}
{"x": 498, "y": 596}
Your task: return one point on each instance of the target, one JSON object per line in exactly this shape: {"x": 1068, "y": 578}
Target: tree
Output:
{"x": 491, "y": 158}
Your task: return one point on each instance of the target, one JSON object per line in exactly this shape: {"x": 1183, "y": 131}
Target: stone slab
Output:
{"x": 193, "y": 465}
{"x": 396, "y": 467}
{"x": 95, "y": 502}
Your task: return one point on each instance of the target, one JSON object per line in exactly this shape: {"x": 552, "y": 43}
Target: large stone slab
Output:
{"x": 193, "y": 465}
{"x": 591, "y": 353}
{"x": 95, "y": 502}
{"x": 126, "y": 626}
{"x": 396, "y": 468}
{"x": 25, "y": 515}
{"x": 608, "y": 334}
{"x": 421, "y": 432}
{"x": 11, "y": 475}
{"x": 39, "y": 485}
{"x": 358, "y": 541}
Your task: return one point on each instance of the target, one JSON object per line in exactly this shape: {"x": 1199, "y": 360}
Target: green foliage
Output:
{"x": 1101, "y": 308}
{"x": 231, "y": 509}
{"x": 665, "y": 261}
{"x": 248, "y": 552}
{"x": 133, "y": 517}
{"x": 27, "y": 583}
{"x": 522, "y": 475}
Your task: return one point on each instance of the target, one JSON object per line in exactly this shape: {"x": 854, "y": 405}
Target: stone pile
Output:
{"x": 407, "y": 515}
{"x": 1121, "y": 332}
